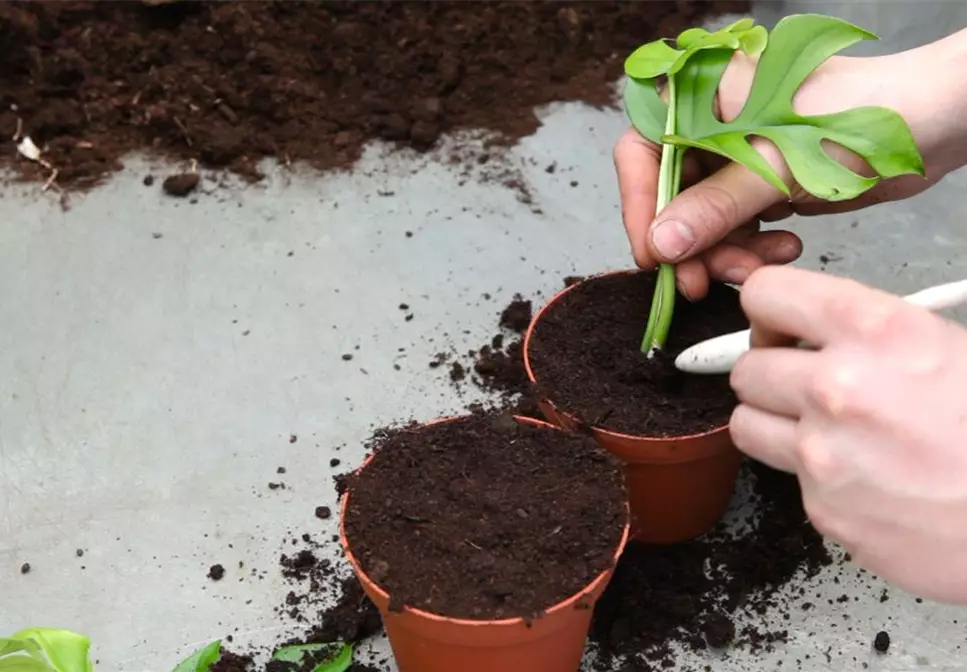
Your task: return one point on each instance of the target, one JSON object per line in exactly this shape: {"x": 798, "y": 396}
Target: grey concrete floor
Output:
{"x": 149, "y": 386}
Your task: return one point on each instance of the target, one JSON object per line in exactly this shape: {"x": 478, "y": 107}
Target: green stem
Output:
{"x": 669, "y": 184}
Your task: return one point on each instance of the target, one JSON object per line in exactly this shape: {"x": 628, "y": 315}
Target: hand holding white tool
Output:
{"x": 718, "y": 355}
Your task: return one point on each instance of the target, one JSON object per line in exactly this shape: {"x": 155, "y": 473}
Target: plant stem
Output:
{"x": 669, "y": 184}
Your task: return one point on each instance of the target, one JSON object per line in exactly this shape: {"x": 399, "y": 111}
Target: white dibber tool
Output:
{"x": 719, "y": 354}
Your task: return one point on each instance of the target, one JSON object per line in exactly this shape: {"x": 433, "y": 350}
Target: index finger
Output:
{"x": 816, "y": 307}
{"x": 636, "y": 161}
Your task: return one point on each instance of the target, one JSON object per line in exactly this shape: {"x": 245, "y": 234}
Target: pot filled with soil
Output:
{"x": 670, "y": 429}
{"x": 485, "y": 541}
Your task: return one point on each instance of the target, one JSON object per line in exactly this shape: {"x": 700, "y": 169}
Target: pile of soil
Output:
{"x": 482, "y": 497}
{"x": 230, "y": 83}
{"x": 689, "y": 594}
{"x": 585, "y": 353}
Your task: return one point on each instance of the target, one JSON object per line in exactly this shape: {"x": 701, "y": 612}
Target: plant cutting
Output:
{"x": 584, "y": 351}
{"x": 692, "y": 71}
{"x": 485, "y": 541}
{"x": 334, "y": 657}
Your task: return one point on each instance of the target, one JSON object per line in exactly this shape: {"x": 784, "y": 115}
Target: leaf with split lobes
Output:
{"x": 797, "y": 46}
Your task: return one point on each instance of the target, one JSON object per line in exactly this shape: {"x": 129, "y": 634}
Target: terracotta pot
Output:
{"x": 425, "y": 642}
{"x": 678, "y": 487}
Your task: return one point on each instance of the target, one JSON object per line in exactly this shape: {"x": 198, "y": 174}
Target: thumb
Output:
{"x": 705, "y": 213}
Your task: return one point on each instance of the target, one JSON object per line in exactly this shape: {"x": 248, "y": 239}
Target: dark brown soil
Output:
{"x": 661, "y": 595}
{"x": 586, "y": 356}
{"x": 230, "y": 83}
{"x": 449, "y": 517}
{"x": 232, "y": 662}
{"x": 882, "y": 642}
{"x": 216, "y": 572}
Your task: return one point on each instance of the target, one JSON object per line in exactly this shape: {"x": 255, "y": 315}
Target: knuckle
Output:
{"x": 825, "y": 520}
{"x": 815, "y": 460}
{"x": 864, "y": 320}
{"x": 833, "y": 389}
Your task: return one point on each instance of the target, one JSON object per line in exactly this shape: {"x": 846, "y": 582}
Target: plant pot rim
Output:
{"x": 532, "y": 378}
{"x": 567, "y": 603}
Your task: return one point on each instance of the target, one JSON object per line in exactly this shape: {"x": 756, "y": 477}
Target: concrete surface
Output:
{"x": 149, "y": 386}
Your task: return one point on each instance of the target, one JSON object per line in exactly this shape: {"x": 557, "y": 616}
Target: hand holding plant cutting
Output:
{"x": 872, "y": 422}
{"x": 711, "y": 228}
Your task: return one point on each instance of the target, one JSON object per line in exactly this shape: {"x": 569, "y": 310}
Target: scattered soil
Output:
{"x": 703, "y": 585}
{"x": 586, "y": 357}
{"x": 230, "y": 83}
{"x": 25, "y": 568}
{"x": 468, "y": 545}
{"x": 517, "y": 315}
{"x": 216, "y": 572}
{"x": 882, "y": 642}
{"x": 323, "y": 512}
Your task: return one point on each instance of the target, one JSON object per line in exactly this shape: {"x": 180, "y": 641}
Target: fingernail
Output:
{"x": 735, "y": 275}
{"x": 682, "y": 290}
{"x": 786, "y": 251}
{"x": 672, "y": 239}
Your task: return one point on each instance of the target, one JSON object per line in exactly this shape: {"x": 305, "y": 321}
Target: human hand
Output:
{"x": 873, "y": 422}
{"x": 712, "y": 229}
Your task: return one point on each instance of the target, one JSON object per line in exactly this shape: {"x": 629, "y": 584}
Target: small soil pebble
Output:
{"x": 323, "y": 512}
{"x": 334, "y": 462}
{"x": 25, "y": 568}
{"x": 719, "y": 630}
{"x": 882, "y": 642}
{"x": 293, "y": 438}
{"x": 453, "y": 541}
{"x": 586, "y": 356}
{"x": 216, "y": 572}
{"x": 180, "y": 185}
{"x": 347, "y": 357}
{"x": 148, "y": 180}
{"x": 79, "y": 552}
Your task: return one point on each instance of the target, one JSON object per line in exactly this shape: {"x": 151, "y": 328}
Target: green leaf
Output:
{"x": 741, "y": 25}
{"x": 798, "y": 45}
{"x": 753, "y": 42}
{"x": 645, "y": 108}
{"x": 651, "y": 60}
{"x": 202, "y": 659}
{"x": 690, "y": 37}
{"x": 340, "y": 661}
{"x": 64, "y": 650}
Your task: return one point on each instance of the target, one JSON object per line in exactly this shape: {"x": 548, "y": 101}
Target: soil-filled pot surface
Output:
{"x": 585, "y": 352}
{"x": 485, "y": 518}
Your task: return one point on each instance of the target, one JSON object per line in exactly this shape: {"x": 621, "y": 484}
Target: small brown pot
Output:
{"x": 678, "y": 487}
{"x": 425, "y": 642}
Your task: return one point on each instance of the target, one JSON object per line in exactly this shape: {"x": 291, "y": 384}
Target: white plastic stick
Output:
{"x": 718, "y": 355}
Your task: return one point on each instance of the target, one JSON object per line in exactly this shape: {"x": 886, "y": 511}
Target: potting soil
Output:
{"x": 476, "y": 500}
{"x": 230, "y": 83}
{"x": 586, "y": 357}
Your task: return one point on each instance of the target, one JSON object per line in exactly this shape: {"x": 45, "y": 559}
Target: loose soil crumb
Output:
{"x": 585, "y": 354}
{"x": 25, "y": 568}
{"x": 323, "y": 512}
{"x": 181, "y": 185}
{"x": 485, "y": 495}
{"x": 216, "y": 572}
{"x": 309, "y": 81}
{"x": 882, "y": 642}
{"x": 517, "y": 315}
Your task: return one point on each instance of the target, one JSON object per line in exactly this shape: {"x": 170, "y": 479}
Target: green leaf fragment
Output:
{"x": 741, "y": 25}
{"x": 17, "y": 663}
{"x": 202, "y": 659}
{"x": 340, "y": 661}
{"x": 55, "y": 649}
